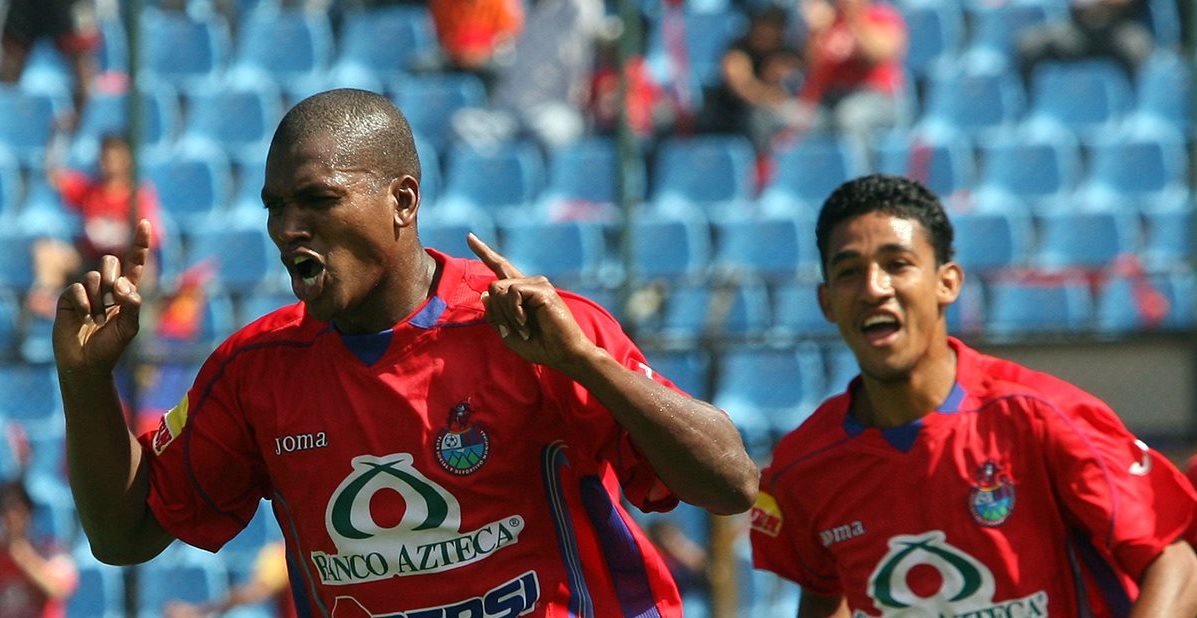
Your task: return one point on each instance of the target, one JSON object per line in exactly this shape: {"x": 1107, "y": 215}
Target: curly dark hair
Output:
{"x": 893, "y": 195}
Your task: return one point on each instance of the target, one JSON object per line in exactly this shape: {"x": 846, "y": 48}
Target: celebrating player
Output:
{"x": 945, "y": 482}
{"x": 434, "y": 433}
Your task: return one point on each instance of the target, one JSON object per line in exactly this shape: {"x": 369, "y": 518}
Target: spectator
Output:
{"x": 854, "y": 75}
{"x": 473, "y": 32}
{"x": 687, "y": 561}
{"x": 1114, "y": 29}
{"x": 649, "y": 111}
{"x": 761, "y": 74}
{"x": 35, "y": 579}
{"x": 74, "y": 27}
{"x": 103, "y": 203}
{"x": 268, "y": 583}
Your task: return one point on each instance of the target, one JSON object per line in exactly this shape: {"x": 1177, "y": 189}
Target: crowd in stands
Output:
{"x": 1058, "y": 132}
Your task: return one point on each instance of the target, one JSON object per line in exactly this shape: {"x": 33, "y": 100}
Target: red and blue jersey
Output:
{"x": 1021, "y": 495}
{"x": 423, "y": 472}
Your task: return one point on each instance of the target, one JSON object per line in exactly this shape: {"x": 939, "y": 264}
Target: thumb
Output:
{"x": 493, "y": 259}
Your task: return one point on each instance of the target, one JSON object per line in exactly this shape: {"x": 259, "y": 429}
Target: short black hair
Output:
{"x": 893, "y": 195}
{"x": 368, "y": 126}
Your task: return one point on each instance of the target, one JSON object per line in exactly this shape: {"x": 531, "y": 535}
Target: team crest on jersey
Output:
{"x": 462, "y": 446}
{"x": 991, "y": 500}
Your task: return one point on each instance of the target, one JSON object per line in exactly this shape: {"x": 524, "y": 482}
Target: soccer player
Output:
{"x": 438, "y": 436}
{"x": 945, "y": 482}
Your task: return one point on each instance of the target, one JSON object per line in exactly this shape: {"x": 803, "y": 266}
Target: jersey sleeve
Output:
{"x": 1130, "y": 499}
{"x": 784, "y": 541}
{"x": 206, "y": 476}
{"x": 593, "y": 423}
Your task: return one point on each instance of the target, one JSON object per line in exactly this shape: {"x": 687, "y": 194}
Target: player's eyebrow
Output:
{"x": 852, "y": 254}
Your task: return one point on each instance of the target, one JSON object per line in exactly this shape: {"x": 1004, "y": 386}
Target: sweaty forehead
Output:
{"x": 879, "y": 229}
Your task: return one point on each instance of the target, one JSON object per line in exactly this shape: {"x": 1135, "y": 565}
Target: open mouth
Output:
{"x": 307, "y": 276}
{"x": 307, "y": 269}
{"x": 879, "y": 327}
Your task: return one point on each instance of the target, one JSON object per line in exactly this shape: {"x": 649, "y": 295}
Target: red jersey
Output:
{"x": 426, "y": 471}
{"x": 836, "y": 69}
{"x": 105, "y": 213}
{"x": 1020, "y": 496}
{"x": 20, "y": 596}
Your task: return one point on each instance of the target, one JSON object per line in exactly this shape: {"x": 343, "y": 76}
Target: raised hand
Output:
{"x": 529, "y": 315}
{"x": 97, "y": 317}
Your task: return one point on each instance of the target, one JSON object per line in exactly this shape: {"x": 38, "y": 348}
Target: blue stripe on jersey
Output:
{"x": 1116, "y": 597}
{"x": 430, "y": 314}
{"x": 552, "y": 460}
{"x": 955, "y": 398}
{"x": 621, "y": 552}
{"x": 304, "y": 602}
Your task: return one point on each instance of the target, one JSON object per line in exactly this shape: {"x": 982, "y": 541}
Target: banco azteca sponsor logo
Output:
{"x": 426, "y": 539}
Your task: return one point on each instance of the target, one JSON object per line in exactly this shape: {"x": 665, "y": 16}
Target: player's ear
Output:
{"x": 951, "y": 278}
{"x": 825, "y": 302}
{"x": 405, "y": 197}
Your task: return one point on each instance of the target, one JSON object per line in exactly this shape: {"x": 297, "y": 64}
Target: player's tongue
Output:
{"x": 307, "y": 278}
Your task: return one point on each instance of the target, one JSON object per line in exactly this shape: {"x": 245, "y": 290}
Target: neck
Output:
{"x": 890, "y": 403}
{"x": 396, "y": 305}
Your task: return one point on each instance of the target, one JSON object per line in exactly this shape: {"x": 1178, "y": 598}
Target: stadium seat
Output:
{"x": 695, "y": 311}
{"x": 181, "y": 573}
{"x": 712, "y": 172}
{"x": 260, "y": 302}
{"x": 1019, "y": 308}
{"x": 670, "y": 248}
{"x": 1142, "y": 169}
{"x": 769, "y": 391}
{"x": 243, "y": 256}
{"x": 1085, "y": 238}
{"x": 940, "y": 158}
{"x": 10, "y": 315}
{"x": 506, "y": 180}
{"x": 11, "y": 186}
{"x": 987, "y": 241}
{"x": 240, "y": 553}
{"x": 1039, "y": 170}
{"x": 1127, "y": 304}
{"x": 430, "y": 100}
{"x": 107, "y": 113}
{"x": 841, "y": 367}
{"x": 566, "y": 252}
{"x": 183, "y": 50}
{"x": 689, "y": 369}
{"x": 936, "y": 34}
{"x": 446, "y": 231}
{"x": 29, "y": 395}
{"x": 706, "y": 36}
{"x": 386, "y": 40}
{"x": 995, "y": 28}
{"x": 808, "y": 171}
{"x": 1089, "y": 97}
{"x": 193, "y": 187}
{"x": 241, "y": 120}
{"x": 26, "y": 123}
{"x": 1164, "y": 85}
{"x": 288, "y": 46}
{"x": 796, "y": 312}
{"x": 583, "y": 181}
{"x": 975, "y": 102}
{"x": 775, "y": 248}
{"x": 1168, "y": 236}
{"x": 101, "y": 589}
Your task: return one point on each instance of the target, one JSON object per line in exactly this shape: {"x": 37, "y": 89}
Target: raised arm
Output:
{"x": 693, "y": 446}
{"x": 1168, "y": 586}
{"x": 96, "y": 319}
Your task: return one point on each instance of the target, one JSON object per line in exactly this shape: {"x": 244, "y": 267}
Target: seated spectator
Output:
{"x": 103, "y": 203}
{"x": 761, "y": 73}
{"x": 472, "y": 32}
{"x": 36, "y": 578}
{"x": 853, "y": 54}
{"x": 1114, "y": 29}
{"x": 74, "y": 27}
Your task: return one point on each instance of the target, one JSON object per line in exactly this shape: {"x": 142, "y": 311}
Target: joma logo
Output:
{"x": 299, "y": 442}
{"x": 841, "y": 533}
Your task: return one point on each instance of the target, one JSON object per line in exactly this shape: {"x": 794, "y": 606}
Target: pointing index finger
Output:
{"x": 139, "y": 252}
{"x": 495, "y": 261}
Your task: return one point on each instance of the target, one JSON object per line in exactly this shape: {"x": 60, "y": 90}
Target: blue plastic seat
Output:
{"x": 181, "y": 573}
{"x": 769, "y": 391}
{"x": 693, "y": 311}
{"x": 1089, "y": 97}
{"x": 712, "y": 172}
{"x": 936, "y": 33}
{"x": 507, "y": 179}
{"x": 240, "y": 120}
{"x": 808, "y": 171}
{"x": 940, "y": 158}
{"x": 101, "y": 589}
{"x": 796, "y": 312}
{"x": 987, "y": 241}
{"x": 29, "y": 395}
{"x": 671, "y": 248}
{"x": 430, "y": 100}
{"x": 1168, "y": 237}
{"x": 995, "y": 28}
{"x": 583, "y": 181}
{"x": 566, "y": 252}
{"x": 446, "y": 232}
{"x": 11, "y": 185}
{"x": 774, "y": 247}
{"x": 287, "y": 45}
{"x": 262, "y": 301}
{"x": 975, "y": 102}
{"x": 192, "y": 187}
{"x": 1086, "y": 239}
{"x": 706, "y": 36}
{"x": 241, "y": 552}
{"x": 1038, "y": 170}
{"x": 1140, "y": 168}
{"x": 106, "y": 113}
{"x": 386, "y": 40}
{"x": 10, "y": 314}
{"x": 1018, "y": 308}
{"x": 184, "y": 50}
{"x": 1164, "y": 86}
{"x": 243, "y": 256}
{"x": 26, "y": 123}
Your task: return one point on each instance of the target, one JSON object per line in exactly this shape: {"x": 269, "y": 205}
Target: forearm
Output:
{"x": 875, "y": 43}
{"x": 693, "y": 447}
{"x": 1168, "y": 586}
{"x": 108, "y": 479}
{"x": 51, "y": 578}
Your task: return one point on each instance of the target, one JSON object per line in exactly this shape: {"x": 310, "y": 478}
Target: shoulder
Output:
{"x": 286, "y": 326}
{"x": 817, "y": 436}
